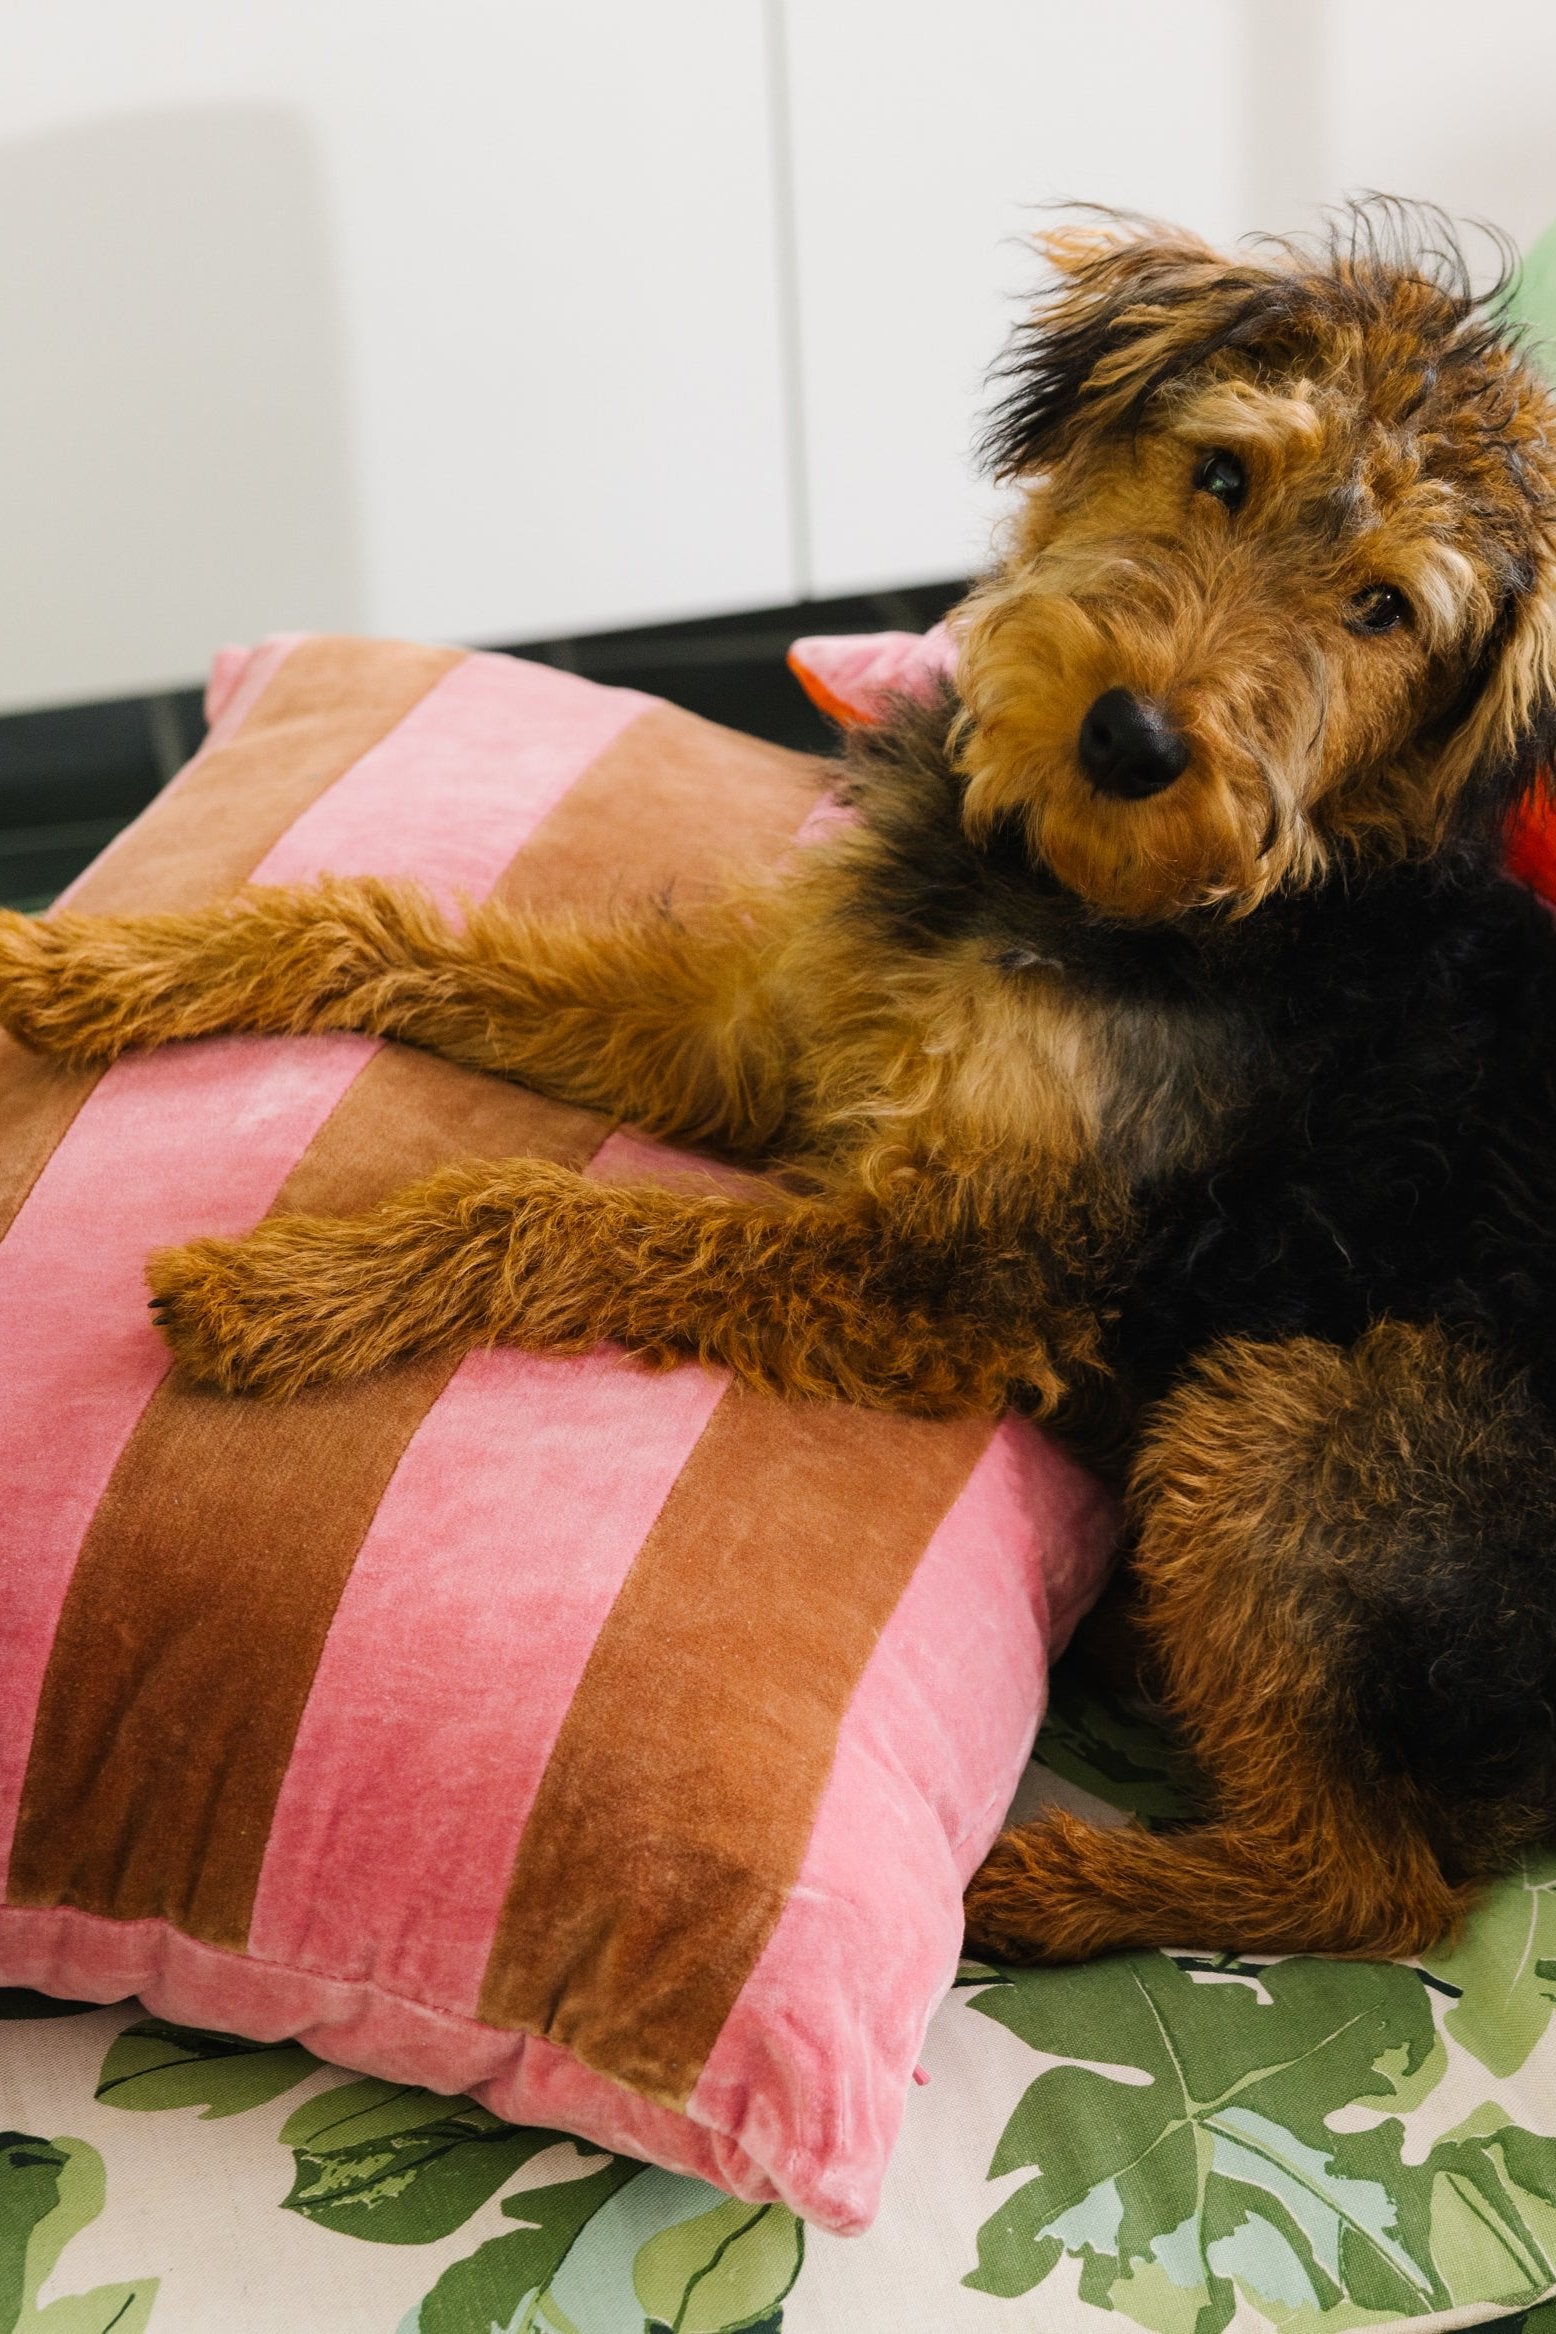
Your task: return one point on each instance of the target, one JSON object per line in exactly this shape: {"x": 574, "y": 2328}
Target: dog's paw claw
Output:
{"x": 254, "y": 1316}
{"x": 205, "y": 1303}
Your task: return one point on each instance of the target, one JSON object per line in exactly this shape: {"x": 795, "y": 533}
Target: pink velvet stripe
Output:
{"x": 926, "y": 1766}
{"x": 625, "y": 1156}
{"x": 80, "y": 1360}
{"x": 493, "y": 747}
{"x": 445, "y": 1679}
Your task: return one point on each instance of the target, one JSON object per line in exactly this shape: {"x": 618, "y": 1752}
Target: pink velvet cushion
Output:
{"x": 613, "y": 1746}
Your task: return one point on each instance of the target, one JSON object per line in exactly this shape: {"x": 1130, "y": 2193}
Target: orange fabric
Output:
{"x": 835, "y": 708}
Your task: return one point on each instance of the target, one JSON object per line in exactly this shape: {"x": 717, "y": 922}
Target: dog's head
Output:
{"x": 1282, "y": 585}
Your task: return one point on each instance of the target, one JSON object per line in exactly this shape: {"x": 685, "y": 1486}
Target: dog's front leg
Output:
{"x": 809, "y": 1297}
{"x": 667, "y": 1022}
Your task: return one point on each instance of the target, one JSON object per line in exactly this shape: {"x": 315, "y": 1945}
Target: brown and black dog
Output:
{"x": 1164, "y": 1051}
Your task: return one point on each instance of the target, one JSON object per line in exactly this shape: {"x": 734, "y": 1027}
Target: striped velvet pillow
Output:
{"x": 613, "y": 1746}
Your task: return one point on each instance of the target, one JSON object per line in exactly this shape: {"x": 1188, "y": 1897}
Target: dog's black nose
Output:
{"x": 1129, "y": 747}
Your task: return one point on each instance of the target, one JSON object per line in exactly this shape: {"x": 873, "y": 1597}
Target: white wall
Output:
{"x": 925, "y": 138}
{"x": 520, "y": 257}
{"x": 1444, "y": 99}
{"x": 500, "y": 318}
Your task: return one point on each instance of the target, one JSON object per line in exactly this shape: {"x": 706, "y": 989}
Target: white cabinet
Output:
{"x": 558, "y": 245}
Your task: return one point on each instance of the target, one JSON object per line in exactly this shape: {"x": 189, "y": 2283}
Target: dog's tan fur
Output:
{"x": 965, "y": 1134}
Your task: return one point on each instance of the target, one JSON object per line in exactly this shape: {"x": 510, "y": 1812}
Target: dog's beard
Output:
{"x": 1228, "y": 832}
{"x": 1141, "y": 861}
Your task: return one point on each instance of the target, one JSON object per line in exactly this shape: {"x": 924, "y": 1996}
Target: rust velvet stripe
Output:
{"x": 212, "y": 1568}
{"x": 675, "y": 1811}
{"x": 667, "y": 806}
{"x": 329, "y": 703}
{"x": 37, "y": 1104}
{"x": 409, "y": 1114}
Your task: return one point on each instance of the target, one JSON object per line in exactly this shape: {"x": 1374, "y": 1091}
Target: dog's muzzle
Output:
{"x": 1129, "y": 748}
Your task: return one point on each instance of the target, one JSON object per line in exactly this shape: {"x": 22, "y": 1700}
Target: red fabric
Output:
{"x": 1531, "y": 843}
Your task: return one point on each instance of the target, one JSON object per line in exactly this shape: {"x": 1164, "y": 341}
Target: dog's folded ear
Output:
{"x": 1502, "y": 746}
{"x": 1132, "y": 304}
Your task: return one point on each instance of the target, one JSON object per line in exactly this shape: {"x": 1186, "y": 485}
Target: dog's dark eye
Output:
{"x": 1379, "y": 609}
{"x": 1222, "y": 475}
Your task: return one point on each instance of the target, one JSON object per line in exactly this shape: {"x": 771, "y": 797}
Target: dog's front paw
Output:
{"x": 258, "y": 1316}
{"x": 210, "y": 1302}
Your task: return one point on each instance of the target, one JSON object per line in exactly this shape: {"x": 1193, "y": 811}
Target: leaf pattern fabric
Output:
{"x": 1185, "y": 2143}
{"x": 1505, "y": 1969}
{"x": 399, "y": 2166}
{"x": 1222, "y": 2156}
{"x": 155, "y": 2065}
{"x": 49, "y": 2191}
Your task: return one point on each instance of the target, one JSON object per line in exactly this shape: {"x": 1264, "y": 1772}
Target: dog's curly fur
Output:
{"x": 1215, "y": 1123}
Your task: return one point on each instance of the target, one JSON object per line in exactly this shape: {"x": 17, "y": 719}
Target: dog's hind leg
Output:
{"x": 658, "y": 1020}
{"x": 1339, "y": 1559}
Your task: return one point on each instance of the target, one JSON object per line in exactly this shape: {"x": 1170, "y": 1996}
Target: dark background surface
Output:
{"x": 71, "y": 778}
